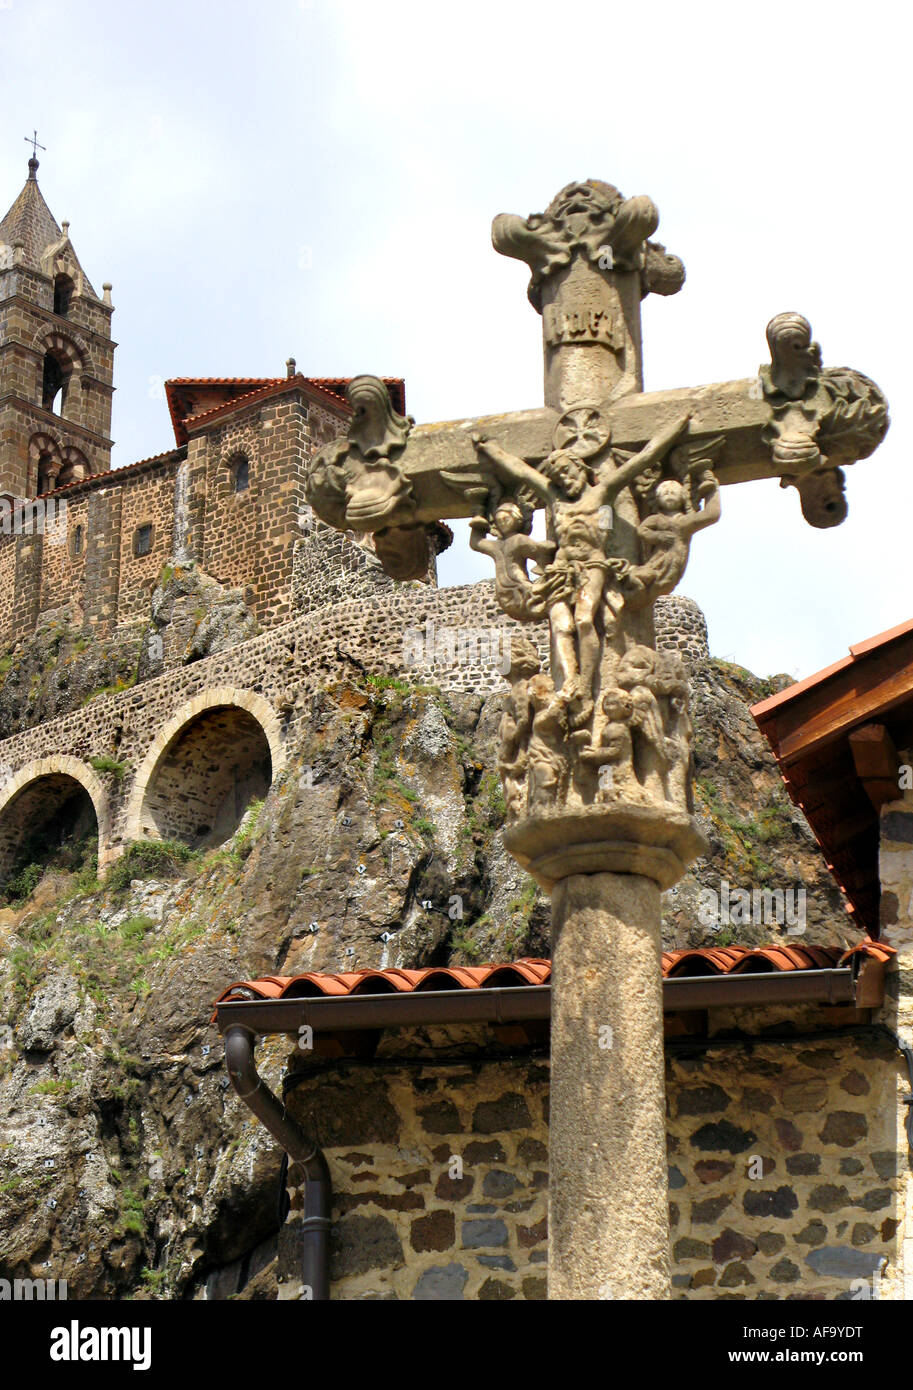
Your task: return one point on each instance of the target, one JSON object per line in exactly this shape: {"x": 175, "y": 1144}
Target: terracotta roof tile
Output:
{"x": 714, "y": 960}
{"x": 258, "y": 388}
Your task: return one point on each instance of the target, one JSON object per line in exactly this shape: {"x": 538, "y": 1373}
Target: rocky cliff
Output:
{"x": 127, "y": 1165}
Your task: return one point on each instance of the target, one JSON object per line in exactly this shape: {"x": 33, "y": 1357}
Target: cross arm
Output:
{"x": 795, "y": 421}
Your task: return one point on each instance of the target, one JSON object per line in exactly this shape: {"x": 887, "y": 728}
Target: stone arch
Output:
{"x": 75, "y": 466}
{"x": 71, "y": 346}
{"x": 45, "y": 463}
{"x": 218, "y": 752}
{"x": 41, "y": 791}
{"x": 67, "y": 359}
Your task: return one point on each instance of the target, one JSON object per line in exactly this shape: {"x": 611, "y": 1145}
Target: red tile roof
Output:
{"x": 722, "y": 960}
{"x": 244, "y": 391}
{"x": 113, "y": 475}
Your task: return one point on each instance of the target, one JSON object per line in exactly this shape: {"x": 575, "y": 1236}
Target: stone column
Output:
{"x": 609, "y": 1233}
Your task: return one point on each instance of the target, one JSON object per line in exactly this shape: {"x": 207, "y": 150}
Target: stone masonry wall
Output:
{"x": 788, "y": 1175}
{"x": 440, "y": 1180}
{"x": 283, "y": 665}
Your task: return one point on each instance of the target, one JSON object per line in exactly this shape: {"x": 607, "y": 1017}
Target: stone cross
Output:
{"x": 595, "y": 751}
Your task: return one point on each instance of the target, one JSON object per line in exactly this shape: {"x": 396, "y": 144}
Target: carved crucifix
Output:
{"x": 595, "y": 751}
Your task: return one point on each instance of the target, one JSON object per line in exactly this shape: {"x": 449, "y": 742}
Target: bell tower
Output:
{"x": 56, "y": 354}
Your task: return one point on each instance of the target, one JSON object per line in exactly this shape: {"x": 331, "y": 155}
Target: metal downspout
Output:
{"x": 318, "y": 1189}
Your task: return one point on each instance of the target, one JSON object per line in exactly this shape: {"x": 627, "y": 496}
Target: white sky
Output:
{"x": 318, "y": 178}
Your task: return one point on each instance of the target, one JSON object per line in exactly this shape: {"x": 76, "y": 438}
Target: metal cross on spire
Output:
{"x": 33, "y": 141}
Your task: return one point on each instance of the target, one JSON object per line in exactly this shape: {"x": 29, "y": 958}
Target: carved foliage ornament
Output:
{"x": 593, "y": 220}
{"x": 356, "y": 482}
{"x": 822, "y": 418}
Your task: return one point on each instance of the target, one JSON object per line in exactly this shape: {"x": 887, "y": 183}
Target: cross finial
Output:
{"x": 33, "y": 141}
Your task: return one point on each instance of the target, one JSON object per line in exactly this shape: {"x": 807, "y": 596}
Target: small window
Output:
{"x": 54, "y": 385}
{"x": 142, "y": 540}
{"x": 63, "y": 293}
{"x": 47, "y": 474}
{"x": 77, "y": 540}
{"x": 240, "y": 473}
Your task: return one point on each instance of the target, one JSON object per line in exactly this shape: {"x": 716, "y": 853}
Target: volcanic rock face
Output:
{"x": 128, "y": 1166}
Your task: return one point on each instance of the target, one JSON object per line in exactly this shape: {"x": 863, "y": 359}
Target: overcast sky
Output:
{"x": 318, "y": 178}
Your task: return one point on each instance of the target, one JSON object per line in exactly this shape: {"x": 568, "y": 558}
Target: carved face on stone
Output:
{"x": 617, "y": 706}
{"x": 584, "y": 201}
{"x": 567, "y": 472}
{"x": 670, "y": 497}
{"x": 508, "y": 519}
{"x": 636, "y": 667}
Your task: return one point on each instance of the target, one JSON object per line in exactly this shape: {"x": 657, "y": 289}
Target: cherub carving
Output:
{"x": 670, "y": 683}
{"x": 682, "y": 506}
{"x": 574, "y": 587}
{"x": 549, "y": 771}
{"x": 612, "y": 754}
{"x": 516, "y": 726}
{"x": 635, "y": 674}
{"x": 511, "y": 553}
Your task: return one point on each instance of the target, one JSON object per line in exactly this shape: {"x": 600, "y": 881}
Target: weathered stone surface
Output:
{"x": 498, "y": 1183}
{"x": 362, "y": 1243}
{"x": 876, "y": 1200}
{"x": 441, "y": 1282}
{"x": 735, "y": 1275}
{"x": 676, "y": 1178}
{"x": 496, "y": 1289}
{"x": 723, "y": 1136}
{"x": 788, "y": 1135}
{"x": 843, "y": 1262}
{"x": 708, "y": 1211}
{"x": 495, "y": 1116}
{"x": 828, "y": 1197}
{"x": 534, "y": 1288}
{"x": 531, "y": 1235}
{"x": 436, "y": 1231}
{"x": 854, "y": 1083}
{"x": 803, "y": 1165}
{"x": 885, "y": 1163}
{"x": 770, "y": 1242}
{"x": 805, "y": 1096}
{"x": 480, "y": 1152}
{"x": 497, "y": 1262}
{"x": 711, "y": 1170}
{"x": 702, "y": 1100}
{"x": 732, "y": 1245}
{"x": 844, "y": 1127}
{"x": 441, "y": 1117}
{"x": 863, "y": 1233}
{"x": 814, "y": 1233}
{"x": 785, "y": 1272}
{"x": 481, "y": 1233}
{"x": 454, "y": 1189}
{"x": 781, "y": 1203}
{"x": 687, "y": 1248}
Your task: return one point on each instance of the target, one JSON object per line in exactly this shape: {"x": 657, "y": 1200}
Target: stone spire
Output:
{"x": 31, "y": 226}
{"x": 56, "y": 353}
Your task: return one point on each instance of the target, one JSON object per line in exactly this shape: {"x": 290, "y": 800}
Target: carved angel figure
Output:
{"x": 681, "y": 508}
{"x": 516, "y": 726}
{"x": 511, "y": 552}
{"x": 635, "y": 674}
{"x": 573, "y": 587}
{"x": 612, "y": 753}
{"x": 549, "y": 771}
